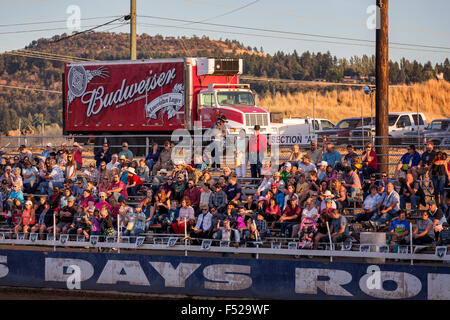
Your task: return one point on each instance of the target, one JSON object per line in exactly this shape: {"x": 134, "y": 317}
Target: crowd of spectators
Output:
{"x": 308, "y": 198}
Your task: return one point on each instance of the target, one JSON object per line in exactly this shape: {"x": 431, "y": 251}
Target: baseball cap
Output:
{"x": 29, "y": 202}
{"x": 71, "y": 199}
{"x": 163, "y": 171}
{"x": 431, "y": 202}
{"x": 323, "y": 163}
{"x": 49, "y": 144}
{"x": 274, "y": 185}
{"x": 328, "y": 200}
{"x": 288, "y": 164}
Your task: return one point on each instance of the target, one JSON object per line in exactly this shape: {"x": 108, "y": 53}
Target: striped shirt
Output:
{"x": 57, "y": 174}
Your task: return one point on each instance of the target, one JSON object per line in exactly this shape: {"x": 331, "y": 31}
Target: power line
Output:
{"x": 52, "y": 54}
{"x": 91, "y": 29}
{"x": 286, "y": 38}
{"x": 31, "y": 89}
{"x": 49, "y": 22}
{"x": 291, "y": 32}
{"x": 39, "y": 30}
{"x": 321, "y": 19}
{"x": 25, "y": 55}
{"x": 224, "y": 14}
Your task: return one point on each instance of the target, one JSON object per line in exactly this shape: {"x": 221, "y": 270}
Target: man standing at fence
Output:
{"x": 257, "y": 146}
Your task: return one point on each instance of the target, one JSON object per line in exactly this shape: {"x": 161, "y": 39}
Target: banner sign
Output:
{"x": 222, "y": 277}
{"x": 284, "y": 139}
{"x": 124, "y": 96}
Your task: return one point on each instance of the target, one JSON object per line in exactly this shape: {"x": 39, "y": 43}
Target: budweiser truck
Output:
{"x": 155, "y": 97}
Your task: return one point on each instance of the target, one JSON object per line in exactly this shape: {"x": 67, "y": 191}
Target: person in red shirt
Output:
{"x": 77, "y": 155}
{"x": 257, "y": 146}
{"x": 134, "y": 183}
{"x": 290, "y": 217}
{"x": 369, "y": 160}
{"x": 193, "y": 193}
{"x": 117, "y": 189}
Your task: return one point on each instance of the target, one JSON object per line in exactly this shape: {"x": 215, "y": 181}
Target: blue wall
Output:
{"x": 225, "y": 277}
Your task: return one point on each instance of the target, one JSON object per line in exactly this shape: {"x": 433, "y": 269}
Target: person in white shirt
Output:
{"x": 114, "y": 163}
{"x": 306, "y": 166}
{"x": 203, "y": 227}
{"x": 370, "y": 205}
{"x": 265, "y": 185}
{"x": 204, "y": 196}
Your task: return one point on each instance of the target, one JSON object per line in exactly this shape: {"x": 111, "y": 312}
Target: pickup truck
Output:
{"x": 402, "y": 128}
{"x": 342, "y": 132}
{"x": 438, "y": 132}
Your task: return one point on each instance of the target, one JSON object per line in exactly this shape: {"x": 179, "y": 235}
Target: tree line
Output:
{"x": 37, "y": 108}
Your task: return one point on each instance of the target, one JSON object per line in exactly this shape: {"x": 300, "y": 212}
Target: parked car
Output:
{"x": 341, "y": 133}
{"x": 438, "y": 131}
{"x": 402, "y": 128}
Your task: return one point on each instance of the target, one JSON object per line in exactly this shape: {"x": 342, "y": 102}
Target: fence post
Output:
{"x": 331, "y": 242}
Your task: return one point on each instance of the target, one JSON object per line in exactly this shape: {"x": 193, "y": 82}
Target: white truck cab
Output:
{"x": 402, "y": 122}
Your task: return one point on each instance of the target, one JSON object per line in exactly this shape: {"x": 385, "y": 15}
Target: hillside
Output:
{"x": 35, "y": 108}
{"x": 433, "y": 95}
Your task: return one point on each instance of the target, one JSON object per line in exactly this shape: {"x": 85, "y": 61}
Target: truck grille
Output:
{"x": 254, "y": 119}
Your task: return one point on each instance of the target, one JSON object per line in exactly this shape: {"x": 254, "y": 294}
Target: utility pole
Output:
{"x": 382, "y": 86}
{"x": 133, "y": 30}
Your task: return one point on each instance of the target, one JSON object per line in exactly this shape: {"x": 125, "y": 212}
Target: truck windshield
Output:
{"x": 347, "y": 124}
{"x": 392, "y": 120}
{"x": 438, "y": 125}
{"x": 235, "y": 98}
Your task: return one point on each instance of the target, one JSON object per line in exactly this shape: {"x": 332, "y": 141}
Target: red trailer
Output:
{"x": 154, "y": 97}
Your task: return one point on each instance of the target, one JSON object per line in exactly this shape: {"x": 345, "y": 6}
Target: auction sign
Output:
{"x": 124, "y": 95}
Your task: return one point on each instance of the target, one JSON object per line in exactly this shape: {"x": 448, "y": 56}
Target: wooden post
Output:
{"x": 133, "y": 30}
{"x": 382, "y": 86}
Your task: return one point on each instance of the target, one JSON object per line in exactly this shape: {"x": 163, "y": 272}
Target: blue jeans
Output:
{"x": 150, "y": 163}
{"x": 255, "y": 165}
{"x": 286, "y": 228}
{"x": 46, "y": 187}
{"x": 133, "y": 233}
{"x": 413, "y": 199}
{"x": 438, "y": 186}
{"x": 235, "y": 235}
{"x": 385, "y": 217}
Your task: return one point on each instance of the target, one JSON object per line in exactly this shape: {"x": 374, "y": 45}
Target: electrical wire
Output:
{"x": 321, "y": 19}
{"x": 40, "y": 30}
{"x": 32, "y": 89}
{"x": 49, "y": 22}
{"x": 286, "y": 38}
{"x": 224, "y": 14}
{"x": 291, "y": 32}
{"x": 88, "y": 30}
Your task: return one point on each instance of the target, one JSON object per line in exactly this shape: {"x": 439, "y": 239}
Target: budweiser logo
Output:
{"x": 99, "y": 98}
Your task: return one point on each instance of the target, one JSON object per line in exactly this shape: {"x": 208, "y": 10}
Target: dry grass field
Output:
{"x": 434, "y": 102}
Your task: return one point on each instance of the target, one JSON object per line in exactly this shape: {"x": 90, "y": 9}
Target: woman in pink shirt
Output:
{"x": 273, "y": 212}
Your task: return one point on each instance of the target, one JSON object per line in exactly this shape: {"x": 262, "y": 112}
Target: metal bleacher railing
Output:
{"x": 268, "y": 245}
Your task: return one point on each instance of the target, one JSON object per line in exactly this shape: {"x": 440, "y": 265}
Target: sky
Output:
{"x": 287, "y": 24}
